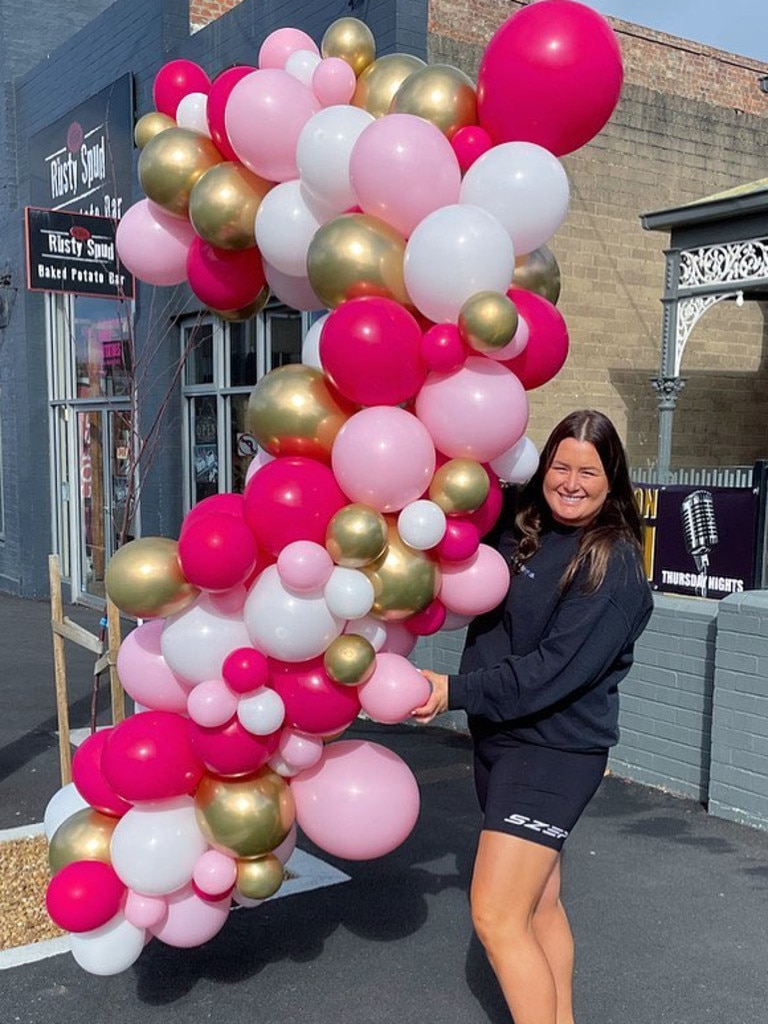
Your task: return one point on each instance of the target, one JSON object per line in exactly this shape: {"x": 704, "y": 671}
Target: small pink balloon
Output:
{"x": 442, "y": 348}
{"x": 300, "y": 749}
{"x": 333, "y": 81}
{"x": 477, "y": 585}
{"x": 394, "y": 689}
{"x": 211, "y": 703}
{"x": 460, "y": 541}
{"x": 214, "y": 875}
{"x": 144, "y": 911}
{"x": 399, "y": 640}
{"x": 191, "y": 921}
{"x": 304, "y": 566}
{"x": 469, "y": 143}
{"x": 280, "y": 44}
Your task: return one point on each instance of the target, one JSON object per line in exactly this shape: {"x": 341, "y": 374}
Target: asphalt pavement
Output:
{"x": 669, "y": 906}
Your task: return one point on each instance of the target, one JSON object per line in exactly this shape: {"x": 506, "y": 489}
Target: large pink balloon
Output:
{"x": 174, "y": 81}
{"x": 190, "y": 920}
{"x": 394, "y": 690}
{"x": 477, "y": 412}
{"x": 264, "y": 117}
{"x": 551, "y": 74}
{"x": 477, "y": 585}
{"x": 144, "y": 672}
{"x": 360, "y": 801}
{"x": 371, "y": 349}
{"x": 547, "y": 348}
{"x": 383, "y": 457}
{"x": 221, "y": 87}
{"x": 289, "y": 499}
{"x": 224, "y": 278}
{"x": 402, "y": 168}
{"x": 153, "y": 244}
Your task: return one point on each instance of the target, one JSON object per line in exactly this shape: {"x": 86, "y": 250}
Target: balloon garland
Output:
{"x": 413, "y": 211}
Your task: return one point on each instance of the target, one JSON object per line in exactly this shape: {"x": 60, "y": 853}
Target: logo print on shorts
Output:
{"x": 524, "y": 821}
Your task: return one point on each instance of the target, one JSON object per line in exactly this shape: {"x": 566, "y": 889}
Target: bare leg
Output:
{"x": 509, "y": 878}
{"x": 550, "y": 923}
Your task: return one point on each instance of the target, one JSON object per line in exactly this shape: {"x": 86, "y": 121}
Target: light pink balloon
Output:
{"x": 153, "y": 245}
{"x": 402, "y": 169}
{"x": 191, "y": 921}
{"x": 300, "y": 749}
{"x": 394, "y": 690}
{"x": 293, "y": 291}
{"x": 280, "y": 44}
{"x": 146, "y": 675}
{"x": 304, "y": 566}
{"x": 284, "y": 851}
{"x": 399, "y": 640}
{"x": 264, "y": 116}
{"x": 477, "y": 585}
{"x": 144, "y": 911}
{"x": 333, "y": 81}
{"x": 476, "y": 412}
{"x": 384, "y": 457}
{"x": 360, "y": 801}
{"x": 211, "y": 703}
{"x": 215, "y": 873}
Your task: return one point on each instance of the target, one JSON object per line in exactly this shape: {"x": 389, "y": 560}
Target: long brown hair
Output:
{"x": 618, "y": 519}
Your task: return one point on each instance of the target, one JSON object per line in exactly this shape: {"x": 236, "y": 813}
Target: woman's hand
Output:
{"x": 438, "y": 700}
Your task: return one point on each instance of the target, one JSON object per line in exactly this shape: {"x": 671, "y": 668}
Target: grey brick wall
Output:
{"x": 739, "y": 770}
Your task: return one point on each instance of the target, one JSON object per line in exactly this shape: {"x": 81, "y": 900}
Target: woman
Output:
{"x": 538, "y": 680}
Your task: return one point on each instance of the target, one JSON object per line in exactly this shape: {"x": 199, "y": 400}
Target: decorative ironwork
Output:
{"x": 689, "y": 312}
{"x": 667, "y": 388}
{"x": 741, "y": 262}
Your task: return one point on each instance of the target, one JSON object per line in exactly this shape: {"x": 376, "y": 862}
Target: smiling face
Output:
{"x": 575, "y": 485}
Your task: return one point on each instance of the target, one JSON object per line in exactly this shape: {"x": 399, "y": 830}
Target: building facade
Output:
{"x": 691, "y": 122}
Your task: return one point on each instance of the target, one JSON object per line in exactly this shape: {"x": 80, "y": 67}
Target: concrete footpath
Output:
{"x": 669, "y": 906}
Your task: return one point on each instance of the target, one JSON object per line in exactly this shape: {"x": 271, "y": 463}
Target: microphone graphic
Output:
{"x": 699, "y": 530}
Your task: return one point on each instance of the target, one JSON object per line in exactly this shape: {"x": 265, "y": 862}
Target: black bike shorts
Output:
{"x": 536, "y": 793}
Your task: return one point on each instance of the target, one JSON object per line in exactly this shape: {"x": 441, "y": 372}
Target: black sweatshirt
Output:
{"x": 545, "y": 667}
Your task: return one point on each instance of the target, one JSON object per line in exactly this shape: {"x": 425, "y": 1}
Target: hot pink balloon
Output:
{"x": 174, "y": 81}
{"x": 383, "y": 457}
{"x": 191, "y": 921}
{"x": 153, "y": 245}
{"x": 304, "y": 566}
{"x": 313, "y": 702}
{"x": 84, "y": 895}
{"x": 360, "y": 801}
{"x": 333, "y": 81}
{"x": 403, "y": 168}
{"x": 547, "y": 348}
{"x": 224, "y": 278}
{"x": 551, "y": 74}
{"x": 144, "y": 672}
{"x": 486, "y": 516}
{"x": 394, "y": 689}
{"x": 264, "y": 117}
{"x": 229, "y": 504}
{"x": 149, "y": 756}
{"x": 230, "y": 749}
{"x": 289, "y": 499}
{"x": 371, "y": 350}
{"x": 221, "y": 87}
{"x": 427, "y": 621}
{"x": 217, "y": 551}
{"x": 245, "y": 670}
{"x": 89, "y": 778}
{"x": 280, "y": 44}
{"x": 477, "y": 412}
{"x": 443, "y": 349}
{"x": 460, "y": 541}
{"x": 469, "y": 143}
{"x": 477, "y": 585}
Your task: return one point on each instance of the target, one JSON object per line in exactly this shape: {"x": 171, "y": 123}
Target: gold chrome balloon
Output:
{"x": 352, "y": 40}
{"x": 171, "y": 164}
{"x": 377, "y": 85}
{"x": 404, "y": 580}
{"x": 538, "y": 271}
{"x": 144, "y": 578}
{"x": 238, "y": 315}
{"x": 356, "y": 255}
{"x": 247, "y": 816}
{"x": 356, "y": 536}
{"x": 459, "y": 486}
{"x": 84, "y": 835}
{"x": 488, "y": 321}
{"x": 439, "y": 93}
{"x": 292, "y": 411}
{"x": 150, "y": 125}
{"x": 349, "y": 659}
{"x": 223, "y": 205}
{"x": 260, "y": 878}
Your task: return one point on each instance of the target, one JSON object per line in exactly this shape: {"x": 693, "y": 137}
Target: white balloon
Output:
{"x": 192, "y": 113}
{"x": 518, "y": 464}
{"x": 286, "y": 625}
{"x": 323, "y": 153}
{"x": 110, "y": 949}
{"x": 293, "y": 290}
{"x": 310, "y": 347}
{"x": 516, "y": 346}
{"x": 301, "y": 64}
{"x": 524, "y": 186}
{"x": 454, "y": 253}
{"x": 196, "y": 641}
{"x": 421, "y": 524}
{"x": 155, "y": 845}
{"x": 62, "y": 805}
{"x": 284, "y": 228}
{"x": 261, "y": 458}
{"x": 374, "y": 630}
{"x": 262, "y": 712}
{"x": 349, "y": 593}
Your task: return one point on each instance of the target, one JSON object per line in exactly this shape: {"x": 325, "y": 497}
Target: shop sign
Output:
{"x": 74, "y": 253}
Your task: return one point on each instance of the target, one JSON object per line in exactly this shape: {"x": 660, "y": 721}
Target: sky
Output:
{"x": 738, "y": 26}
